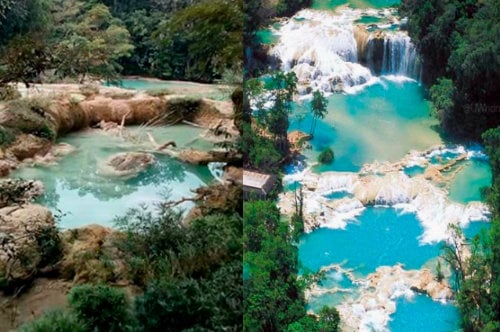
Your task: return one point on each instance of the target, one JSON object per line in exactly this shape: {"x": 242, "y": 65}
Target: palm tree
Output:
{"x": 318, "y": 108}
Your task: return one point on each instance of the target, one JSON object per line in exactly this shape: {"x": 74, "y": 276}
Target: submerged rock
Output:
{"x": 127, "y": 163}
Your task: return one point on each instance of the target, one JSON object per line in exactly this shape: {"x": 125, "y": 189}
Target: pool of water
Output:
{"x": 212, "y": 91}
{"x": 466, "y": 186}
{"x": 331, "y": 4}
{"x": 414, "y": 171}
{"x": 267, "y": 36}
{"x": 78, "y": 189}
{"x": 382, "y": 122}
{"x": 381, "y": 236}
{"x": 421, "y": 313}
{"x": 367, "y": 19}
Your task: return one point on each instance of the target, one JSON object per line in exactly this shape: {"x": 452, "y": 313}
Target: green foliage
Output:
{"x": 442, "y": 99}
{"x": 439, "y": 271}
{"x": 55, "y": 321}
{"x": 24, "y": 59}
{"x": 101, "y": 307}
{"x": 319, "y": 109}
{"x": 261, "y": 218}
{"x": 326, "y": 156}
{"x": 305, "y": 324}
{"x": 201, "y": 41}
{"x": 173, "y": 306}
{"x": 329, "y": 319}
{"x": 273, "y": 297}
{"x": 259, "y": 151}
{"x": 280, "y": 88}
{"x": 7, "y": 136}
{"x": 290, "y": 7}
{"x": 49, "y": 245}
{"x": 191, "y": 273}
{"x": 93, "y": 46}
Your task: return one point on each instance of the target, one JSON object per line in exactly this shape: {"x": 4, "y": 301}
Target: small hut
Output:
{"x": 257, "y": 185}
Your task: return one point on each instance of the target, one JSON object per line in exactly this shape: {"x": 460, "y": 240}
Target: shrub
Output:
{"x": 326, "y": 156}
{"x": 8, "y": 92}
{"x": 55, "y": 321}
{"x": 173, "y": 306}
{"x": 7, "y": 136}
{"x": 49, "y": 245}
{"x": 103, "y": 308}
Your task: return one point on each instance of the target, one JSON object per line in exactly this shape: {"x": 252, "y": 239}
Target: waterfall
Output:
{"x": 391, "y": 54}
{"x": 330, "y": 52}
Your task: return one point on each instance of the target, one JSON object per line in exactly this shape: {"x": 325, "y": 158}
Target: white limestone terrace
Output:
{"x": 386, "y": 185}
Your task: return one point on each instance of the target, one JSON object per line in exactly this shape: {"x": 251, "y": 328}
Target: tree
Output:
{"x": 201, "y": 42}
{"x": 94, "y": 46}
{"x": 439, "y": 272}
{"x": 318, "y": 109}
{"x": 282, "y": 88}
{"x": 329, "y": 319}
{"x": 326, "y": 156}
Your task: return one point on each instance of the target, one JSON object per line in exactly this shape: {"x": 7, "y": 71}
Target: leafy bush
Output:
{"x": 326, "y": 156}
{"x": 7, "y": 136}
{"x": 8, "y": 92}
{"x": 55, "y": 321}
{"x": 49, "y": 245}
{"x": 173, "y": 306}
{"x": 103, "y": 308}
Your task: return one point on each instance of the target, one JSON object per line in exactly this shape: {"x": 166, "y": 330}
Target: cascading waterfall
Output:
{"x": 390, "y": 54}
{"x": 330, "y": 52}
{"x": 399, "y": 56}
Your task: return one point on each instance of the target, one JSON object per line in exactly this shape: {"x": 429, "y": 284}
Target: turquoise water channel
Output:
{"x": 383, "y": 122}
{"x": 81, "y": 192}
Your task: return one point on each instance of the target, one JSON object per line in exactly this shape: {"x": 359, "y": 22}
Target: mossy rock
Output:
{"x": 30, "y": 116}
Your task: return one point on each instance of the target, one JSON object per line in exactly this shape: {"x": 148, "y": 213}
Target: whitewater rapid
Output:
{"x": 330, "y": 51}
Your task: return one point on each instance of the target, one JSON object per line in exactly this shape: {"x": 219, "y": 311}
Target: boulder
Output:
{"x": 27, "y": 146}
{"x": 127, "y": 163}
{"x": 19, "y": 253}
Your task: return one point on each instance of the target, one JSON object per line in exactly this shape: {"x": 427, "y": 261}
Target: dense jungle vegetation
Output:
{"x": 50, "y": 40}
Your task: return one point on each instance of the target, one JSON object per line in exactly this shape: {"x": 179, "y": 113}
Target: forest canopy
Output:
{"x": 50, "y": 40}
